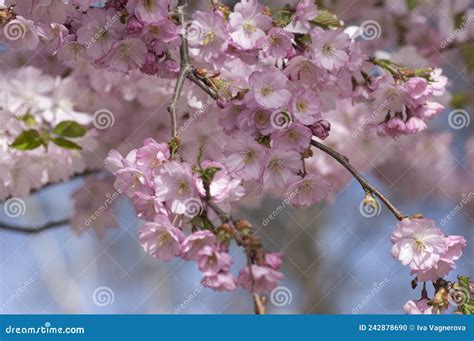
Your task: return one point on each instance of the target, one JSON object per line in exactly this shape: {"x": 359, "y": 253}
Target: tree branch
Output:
{"x": 184, "y": 70}
{"x": 366, "y": 186}
{"x": 33, "y": 230}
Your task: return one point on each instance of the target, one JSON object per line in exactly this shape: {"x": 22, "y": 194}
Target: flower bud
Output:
{"x": 321, "y": 129}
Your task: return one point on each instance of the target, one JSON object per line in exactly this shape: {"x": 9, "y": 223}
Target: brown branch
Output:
{"x": 33, "y": 230}
{"x": 195, "y": 79}
{"x": 366, "y": 186}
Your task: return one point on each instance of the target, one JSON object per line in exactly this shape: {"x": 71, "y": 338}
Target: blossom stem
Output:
{"x": 259, "y": 305}
{"x": 41, "y": 228}
{"x": 366, "y": 186}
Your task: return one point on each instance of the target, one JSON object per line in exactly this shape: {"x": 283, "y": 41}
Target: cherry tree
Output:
{"x": 232, "y": 104}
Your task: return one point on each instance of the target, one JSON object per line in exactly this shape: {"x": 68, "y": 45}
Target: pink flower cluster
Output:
{"x": 409, "y": 105}
{"x": 429, "y": 253}
{"x": 170, "y": 194}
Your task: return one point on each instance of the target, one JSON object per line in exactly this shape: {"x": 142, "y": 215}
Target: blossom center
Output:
{"x": 292, "y": 135}
{"x": 249, "y": 156}
{"x": 209, "y": 38}
{"x": 163, "y": 239}
{"x": 275, "y": 165}
{"x": 328, "y": 49}
{"x": 419, "y": 245}
{"x": 183, "y": 188}
{"x": 149, "y": 5}
{"x": 266, "y": 90}
{"x": 260, "y": 117}
{"x": 249, "y": 27}
{"x": 302, "y": 105}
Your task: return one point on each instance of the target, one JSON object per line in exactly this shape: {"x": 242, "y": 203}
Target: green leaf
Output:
{"x": 65, "y": 143}
{"x": 69, "y": 129}
{"x": 28, "y": 140}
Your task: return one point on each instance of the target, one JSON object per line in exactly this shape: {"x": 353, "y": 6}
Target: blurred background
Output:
{"x": 336, "y": 260}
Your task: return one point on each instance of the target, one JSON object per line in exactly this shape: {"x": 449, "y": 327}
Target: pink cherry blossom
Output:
{"x": 418, "y": 308}
{"x": 277, "y": 43}
{"x": 127, "y": 54}
{"x": 223, "y": 281}
{"x": 295, "y": 137}
{"x": 280, "y": 167}
{"x": 265, "y": 278}
{"x": 273, "y": 260}
{"x": 195, "y": 242}
{"x": 208, "y": 34}
{"x": 307, "y": 191}
{"x": 248, "y": 23}
{"x": 418, "y": 243}
{"x": 161, "y": 239}
{"x": 175, "y": 185}
{"x": 245, "y": 156}
{"x": 306, "y": 106}
{"x": 454, "y": 247}
{"x": 269, "y": 88}
{"x": 329, "y": 48}
{"x": 212, "y": 261}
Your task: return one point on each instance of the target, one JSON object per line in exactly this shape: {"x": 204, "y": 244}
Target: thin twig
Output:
{"x": 366, "y": 186}
{"x": 184, "y": 69}
{"x": 33, "y": 230}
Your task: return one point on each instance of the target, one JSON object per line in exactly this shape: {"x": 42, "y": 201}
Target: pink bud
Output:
{"x": 321, "y": 129}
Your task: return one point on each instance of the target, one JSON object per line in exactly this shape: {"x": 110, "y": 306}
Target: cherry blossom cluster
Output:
{"x": 33, "y": 104}
{"x": 172, "y": 196}
{"x": 429, "y": 253}
{"x": 282, "y": 80}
